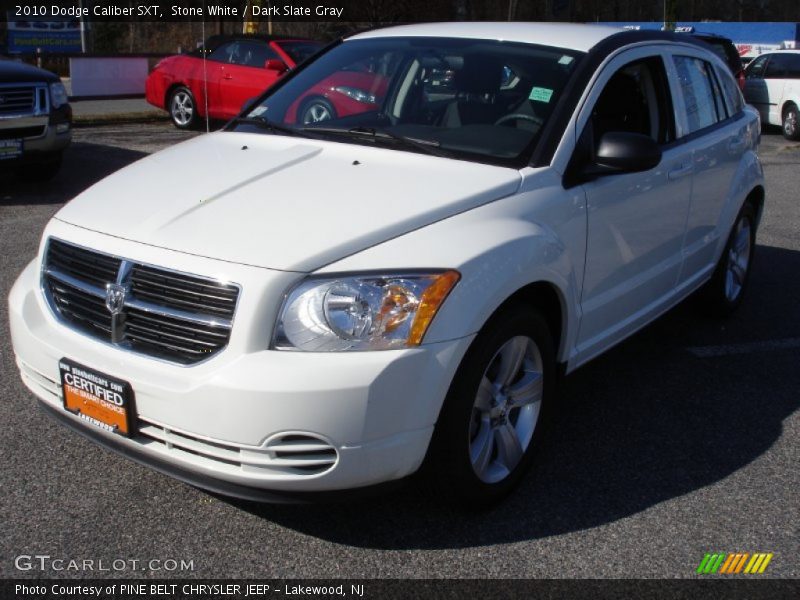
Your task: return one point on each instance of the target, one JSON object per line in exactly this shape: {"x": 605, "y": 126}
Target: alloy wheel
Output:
{"x": 182, "y": 108}
{"x": 738, "y": 260}
{"x": 506, "y": 409}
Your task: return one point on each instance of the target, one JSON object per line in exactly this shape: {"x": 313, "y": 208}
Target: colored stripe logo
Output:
{"x": 733, "y": 563}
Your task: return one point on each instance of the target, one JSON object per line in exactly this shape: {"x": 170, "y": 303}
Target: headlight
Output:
{"x": 368, "y": 312}
{"x": 356, "y": 94}
{"x": 58, "y": 94}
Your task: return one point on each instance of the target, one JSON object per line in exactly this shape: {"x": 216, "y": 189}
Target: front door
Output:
{"x": 636, "y": 221}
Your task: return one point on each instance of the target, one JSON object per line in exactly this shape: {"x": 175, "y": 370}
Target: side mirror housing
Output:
{"x": 276, "y": 64}
{"x": 624, "y": 152}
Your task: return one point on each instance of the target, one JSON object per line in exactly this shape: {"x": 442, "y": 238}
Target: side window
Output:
{"x": 731, "y": 92}
{"x": 636, "y": 100}
{"x": 793, "y": 66}
{"x": 253, "y": 54}
{"x": 755, "y": 69}
{"x": 696, "y": 80}
{"x": 783, "y": 66}
{"x": 223, "y": 53}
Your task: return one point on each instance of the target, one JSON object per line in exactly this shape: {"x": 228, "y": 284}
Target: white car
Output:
{"x": 772, "y": 85}
{"x": 338, "y": 305}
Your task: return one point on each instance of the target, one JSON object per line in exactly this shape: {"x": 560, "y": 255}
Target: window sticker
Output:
{"x": 565, "y": 60}
{"x": 541, "y": 94}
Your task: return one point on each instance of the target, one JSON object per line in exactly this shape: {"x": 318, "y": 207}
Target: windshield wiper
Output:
{"x": 422, "y": 145}
{"x": 264, "y": 123}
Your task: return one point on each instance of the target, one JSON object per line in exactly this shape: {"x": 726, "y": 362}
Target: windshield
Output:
{"x": 300, "y": 50}
{"x": 477, "y": 100}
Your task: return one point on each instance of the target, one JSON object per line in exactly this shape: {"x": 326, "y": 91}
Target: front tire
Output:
{"x": 791, "y": 123}
{"x": 492, "y": 419}
{"x": 183, "y": 108}
{"x": 724, "y": 292}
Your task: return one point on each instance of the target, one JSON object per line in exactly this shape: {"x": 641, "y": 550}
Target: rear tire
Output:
{"x": 493, "y": 417}
{"x": 723, "y": 293}
{"x": 791, "y": 123}
{"x": 183, "y": 108}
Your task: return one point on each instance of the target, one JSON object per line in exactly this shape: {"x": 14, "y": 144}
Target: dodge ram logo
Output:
{"x": 115, "y": 297}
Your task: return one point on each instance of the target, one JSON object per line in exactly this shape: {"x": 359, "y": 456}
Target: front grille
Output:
{"x": 183, "y": 292}
{"x": 22, "y": 132}
{"x": 18, "y": 99}
{"x": 174, "y": 316}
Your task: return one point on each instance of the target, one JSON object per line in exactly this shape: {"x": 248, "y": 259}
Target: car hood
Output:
{"x": 16, "y": 72}
{"x": 281, "y": 202}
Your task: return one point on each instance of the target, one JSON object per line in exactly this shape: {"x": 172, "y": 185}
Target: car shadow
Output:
{"x": 647, "y": 422}
{"x": 84, "y": 164}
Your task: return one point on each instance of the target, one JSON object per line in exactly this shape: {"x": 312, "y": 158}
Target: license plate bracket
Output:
{"x": 10, "y": 149}
{"x": 101, "y": 400}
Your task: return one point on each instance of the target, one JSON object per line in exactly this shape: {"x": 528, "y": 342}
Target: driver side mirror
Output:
{"x": 624, "y": 152}
{"x": 276, "y": 64}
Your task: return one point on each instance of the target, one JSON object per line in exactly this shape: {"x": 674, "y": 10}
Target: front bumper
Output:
{"x": 217, "y": 421}
{"x": 43, "y": 137}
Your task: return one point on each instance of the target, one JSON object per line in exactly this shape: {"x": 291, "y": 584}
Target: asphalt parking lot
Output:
{"x": 683, "y": 440}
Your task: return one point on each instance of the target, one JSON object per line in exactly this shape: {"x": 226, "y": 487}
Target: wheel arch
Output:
{"x": 548, "y": 299}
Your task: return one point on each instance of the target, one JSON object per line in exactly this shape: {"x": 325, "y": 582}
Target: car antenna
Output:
{"x": 205, "y": 71}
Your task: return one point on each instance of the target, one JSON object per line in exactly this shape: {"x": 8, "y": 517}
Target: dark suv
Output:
{"x": 35, "y": 121}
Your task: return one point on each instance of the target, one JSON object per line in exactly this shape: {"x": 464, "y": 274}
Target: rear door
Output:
{"x": 714, "y": 129}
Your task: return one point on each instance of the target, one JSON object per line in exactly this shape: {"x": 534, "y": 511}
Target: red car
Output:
{"x": 236, "y": 69}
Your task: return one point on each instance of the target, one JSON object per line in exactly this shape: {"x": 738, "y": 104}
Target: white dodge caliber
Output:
{"x": 391, "y": 283}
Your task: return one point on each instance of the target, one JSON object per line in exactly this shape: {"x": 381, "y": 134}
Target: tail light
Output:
{"x": 740, "y": 79}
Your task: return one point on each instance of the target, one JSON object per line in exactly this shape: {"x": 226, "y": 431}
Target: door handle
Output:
{"x": 681, "y": 171}
{"x": 227, "y": 76}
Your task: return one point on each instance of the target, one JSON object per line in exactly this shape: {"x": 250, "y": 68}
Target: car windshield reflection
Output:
{"x": 472, "y": 99}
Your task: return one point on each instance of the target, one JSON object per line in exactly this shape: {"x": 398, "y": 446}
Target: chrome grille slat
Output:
{"x": 182, "y": 292}
{"x": 220, "y": 334}
{"x": 24, "y": 99}
{"x": 178, "y": 317}
{"x": 72, "y": 301}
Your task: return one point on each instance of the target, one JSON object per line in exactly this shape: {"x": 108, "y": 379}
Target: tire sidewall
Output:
{"x": 449, "y": 460}
{"x": 719, "y": 300}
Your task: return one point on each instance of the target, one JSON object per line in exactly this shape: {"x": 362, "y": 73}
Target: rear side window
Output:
{"x": 700, "y": 94}
{"x": 783, "y": 66}
{"x": 731, "y": 93}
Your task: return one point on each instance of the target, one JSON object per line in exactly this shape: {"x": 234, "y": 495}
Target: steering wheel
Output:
{"x": 514, "y": 116}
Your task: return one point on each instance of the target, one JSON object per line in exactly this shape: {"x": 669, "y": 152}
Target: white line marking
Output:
{"x": 748, "y": 348}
